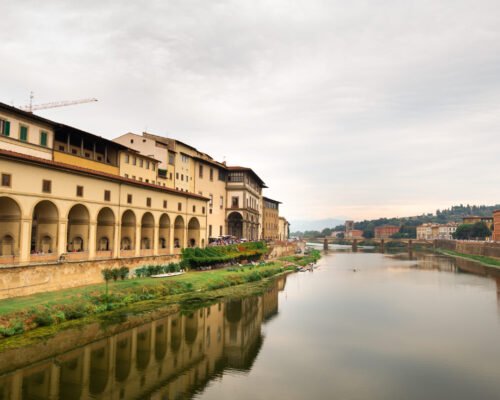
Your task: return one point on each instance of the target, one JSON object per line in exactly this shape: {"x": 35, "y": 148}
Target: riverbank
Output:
{"x": 57, "y": 310}
{"x": 487, "y": 261}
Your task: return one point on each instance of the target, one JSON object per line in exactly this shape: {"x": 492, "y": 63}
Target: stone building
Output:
{"x": 385, "y": 231}
{"x": 431, "y": 231}
{"x": 270, "y": 219}
{"x": 283, "y": 229}
{"x": 496, "y": 225}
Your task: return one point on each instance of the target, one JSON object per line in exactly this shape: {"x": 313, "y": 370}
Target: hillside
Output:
{"x": 452, "y": 214}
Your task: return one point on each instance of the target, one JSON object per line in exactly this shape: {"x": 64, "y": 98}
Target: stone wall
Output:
{"x": 487, "y": 249}
{"x": 285, "y": 248}
{"x": 25, "y": 280}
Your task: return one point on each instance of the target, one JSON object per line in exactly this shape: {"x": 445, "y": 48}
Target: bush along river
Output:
{"x": 360, "y": 326}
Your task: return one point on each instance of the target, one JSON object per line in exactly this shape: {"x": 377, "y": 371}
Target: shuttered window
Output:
{"x": 43, "y": 138}
{"x": 23, "y": 133}
{"x": 4, "y": 127}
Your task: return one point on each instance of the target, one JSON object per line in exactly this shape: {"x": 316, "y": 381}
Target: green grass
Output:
{"x": 19, "y": 315}
{"x": 489, "y": 261}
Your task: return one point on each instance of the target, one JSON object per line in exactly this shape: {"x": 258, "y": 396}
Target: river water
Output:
{"x": 361, "y": 326}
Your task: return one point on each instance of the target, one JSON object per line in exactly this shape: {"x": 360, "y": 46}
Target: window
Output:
{"x": 127, "y": 158}
{"x": 165, "y": 203}
{"x": 129, "y": 199}
{"x": 201, "y": 171}
{"x": 171, "y": 176}
{"x": 235, "y": 202}
{"x": 74, "y": 151}
{"x": 140, "y": 178}
{"x": 203, "y": 210}
{"x": 6, "y": 180}
{"x": 211, "y": 202}
{"x": 141, "y": 162}
{"x": 148, "y": 201}
{"x": 176, "y": 175}
{"x": 4, "y": 127}
{"x": 23, "y": 133}
{"x": 221, "y": 202}
{"x": 171, "y": 158}
{"x": 211, "y": 174}
{"x": 43, "y": 138}
{"x": 107, "y": 195}
{"x": 210, "y": 230}
{"x": 236, "y": 177}
{"x": 194, "y": 209}
{"x": 126, "y": 175}
{"x": 179, "y": 206}
{"x": 46, "y": 186}
{"x": 184, "y": 158}
{"x": 182, "y": 177}
{"x": 147, "y": 164}
{"x": 79, "y": 191}
{"x": 153, "y": 166}
{"x": 134, "y": 161}
{"x": 87, "y": 155}
{"x": 222, "y": 175}
{"x": 61, "y": 148}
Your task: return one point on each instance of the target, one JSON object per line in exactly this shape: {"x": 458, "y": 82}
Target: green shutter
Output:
{"x": 23, "y": 135}
{"x": 43, "y": 138}
{"x": 6, "y": 128}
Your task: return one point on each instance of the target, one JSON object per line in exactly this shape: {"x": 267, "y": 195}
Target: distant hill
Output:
{"x": 452, "y": 214}
{"x": 314, "y": 225}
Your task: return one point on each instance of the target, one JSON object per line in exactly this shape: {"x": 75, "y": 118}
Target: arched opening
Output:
{"x": 143, "y": 351}
{"x": 78, "y": 228}
{"x": 105, "y": 230}
{"x": 36, "y": 383}
{"x": 164, "y": 232}
{"x": 44, "y": 228}
{"x": 161, "y": 341}
{"x": 147, "y": 231}
{"x": 71, "y": 377}
{"x": 10, "y": 227}
{"x": 123, "y": 357}
{"x": 127, "y": 238}
{"x": 99, "y": 368}
{"x": 193, "y": 232}
{"x": 235, "y": 225}
{"x": 191, "y": 328}
{"x": 175, "y": 335}
{"x": 178, "y": 232}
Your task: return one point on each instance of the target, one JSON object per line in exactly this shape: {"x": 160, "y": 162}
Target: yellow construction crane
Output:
{"x": 31, "y": 107}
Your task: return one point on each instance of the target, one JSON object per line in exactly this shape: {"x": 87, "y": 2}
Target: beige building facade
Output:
{"x": 270, "y": 219}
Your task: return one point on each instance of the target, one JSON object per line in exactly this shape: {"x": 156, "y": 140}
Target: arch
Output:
{"x": 105, "y": 229}
{"x": 164, "y": 232}
{"x": 99, "y": 368}
{"x": 10, "y": 226}
{"x": 191, "y": 328}
{"x": 179, "y": 232}
{"x": 193, "y": 232}
{"x": 123, "y": 357}
{"x": 147, "y": 231}
{"x": 235, "y": 224}
{"x": 143, "y": 351}
{"x": 71, "y": 378}
{"x": 127, "y": 238}
{"x": 175, "y": 335}
{"x": 160, "y": 341}
{"x": 78, "y": 228}
{"x": 44, "y": 228}
{"x": 234, "y": 310}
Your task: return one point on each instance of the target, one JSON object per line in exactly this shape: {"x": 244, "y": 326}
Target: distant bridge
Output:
{"x": 409, "y": 243}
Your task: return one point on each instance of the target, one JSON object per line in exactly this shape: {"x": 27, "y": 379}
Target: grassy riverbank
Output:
{"x": 24, "y": 314}
{"x": 488, "y": 261}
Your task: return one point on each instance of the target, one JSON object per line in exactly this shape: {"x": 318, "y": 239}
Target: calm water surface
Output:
{"x": 361, "y": 326}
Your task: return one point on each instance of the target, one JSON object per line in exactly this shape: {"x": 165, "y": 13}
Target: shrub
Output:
{"x": 15, "y": 327}
{"x": 115, "y": 273}
{"x": 107, "y": 274}
{"x": 124, "y": 271}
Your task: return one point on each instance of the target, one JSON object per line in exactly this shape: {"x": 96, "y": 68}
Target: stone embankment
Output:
{"x": 485, "y": 249}
{"x": 25, "y": 280}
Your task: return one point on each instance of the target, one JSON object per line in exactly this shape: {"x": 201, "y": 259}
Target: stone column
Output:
{"x": 62, "y": 236}
{"x": 25, "y": 240}
{"x": 137, "y": 240}
{"x": 55, "y": 375}
{"x": 116, "y": 241}
{"x": 185, "y": 240}
{"x": 156, "y": 239}
{"x": 92, "y": 239}
{"x": 170, "y": 244}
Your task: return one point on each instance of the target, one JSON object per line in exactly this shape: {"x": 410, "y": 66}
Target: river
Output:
{"x": 361, "y": 326}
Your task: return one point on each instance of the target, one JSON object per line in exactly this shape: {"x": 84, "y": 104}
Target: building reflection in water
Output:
{"x": 170, "y": 358}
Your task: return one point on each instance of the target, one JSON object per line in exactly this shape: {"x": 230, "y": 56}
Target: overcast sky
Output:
{"x": 350, "y": 109}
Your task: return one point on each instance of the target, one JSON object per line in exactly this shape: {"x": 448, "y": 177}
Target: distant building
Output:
{"x": 385, "y": 231}
{"x": 349, "y": 226}
{"x": 270, "y": 219}
{"x": 496, "y": 225}
{"x": 431, "y": 231}
{"x": 354, "y": 234}
{"x": 472, "y": 219}
{"x": 283, "y": 228}
{"x": 336, "y": 234}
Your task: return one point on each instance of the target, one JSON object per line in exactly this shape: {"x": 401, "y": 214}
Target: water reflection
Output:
{"x": 169, "y": 358}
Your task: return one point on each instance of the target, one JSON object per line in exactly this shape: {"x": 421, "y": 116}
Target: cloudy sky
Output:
{"x": 353, "y": 109}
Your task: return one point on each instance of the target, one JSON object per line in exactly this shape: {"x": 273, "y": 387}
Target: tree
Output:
{"x": 480, "y": 231}
{"x": 463, "y": 232}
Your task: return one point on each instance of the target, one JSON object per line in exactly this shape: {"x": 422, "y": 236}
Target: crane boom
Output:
{"x": 54, "y": 104}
